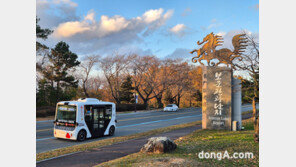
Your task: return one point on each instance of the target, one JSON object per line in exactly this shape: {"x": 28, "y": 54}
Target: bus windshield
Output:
{"x": 66, "y": 113}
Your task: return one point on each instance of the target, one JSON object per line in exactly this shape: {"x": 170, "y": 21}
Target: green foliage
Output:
{"x": 43, "y": 93}
{"x": 40, "y": 32}
{"x": 126, "y": 91}
{"x": 57, "y": 83}
{"x": 47, "y": 94}
{"x": 248, "y": 90}
{"x": 62, "y": 60}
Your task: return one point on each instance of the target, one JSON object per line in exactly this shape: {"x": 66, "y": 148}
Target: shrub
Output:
{"x": 45, "y": 111}
{"x": 129, "y": 107}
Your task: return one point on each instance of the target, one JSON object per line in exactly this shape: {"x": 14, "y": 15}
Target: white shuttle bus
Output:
{"x": 84, "y": 118}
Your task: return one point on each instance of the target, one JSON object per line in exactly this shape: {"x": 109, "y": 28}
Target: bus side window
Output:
{"x": 108, "y": 113}
{"x": 87, "y": 113}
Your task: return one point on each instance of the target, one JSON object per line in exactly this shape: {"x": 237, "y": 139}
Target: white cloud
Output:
{"x": 151, "y": 19}
{"x": 90, "y": 16}
{"x": 152, "y": 15}
{"x": 92, "y": 34}
{"x": 168, "y": 14}
{"x": 54, "y": 12}
{"x": 111, "y": 25}
{"x": 65, "y": 2}
{"x": 152, "y": 26}
{"x": 70, "y": 28}
{"x": 178, "y": 28}
{"x": 221, "y": 33}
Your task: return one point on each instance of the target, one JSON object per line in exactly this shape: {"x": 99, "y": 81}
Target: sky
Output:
{"x": 164, "y": 28}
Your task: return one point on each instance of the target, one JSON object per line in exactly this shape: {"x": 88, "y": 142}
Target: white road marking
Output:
{"x": 47, "y": 138}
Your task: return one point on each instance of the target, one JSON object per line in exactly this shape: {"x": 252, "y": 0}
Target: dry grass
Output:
{"x": 201, "y": 140}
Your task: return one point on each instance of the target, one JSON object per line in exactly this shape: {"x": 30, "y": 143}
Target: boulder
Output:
{"x": 159, "y": 145}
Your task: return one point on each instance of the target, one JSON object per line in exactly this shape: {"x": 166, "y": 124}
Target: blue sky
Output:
{"x": 164, "y": 28}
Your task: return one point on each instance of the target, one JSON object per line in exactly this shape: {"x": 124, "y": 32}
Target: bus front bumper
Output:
{"x": 65, "y": 134}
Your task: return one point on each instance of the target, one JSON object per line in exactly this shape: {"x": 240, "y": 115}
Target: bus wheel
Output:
{"x": 111, "y": 131}
{"x": 81, "y": 135}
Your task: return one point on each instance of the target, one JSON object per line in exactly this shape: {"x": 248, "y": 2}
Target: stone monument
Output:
{"x": 217, "y": 87}
{"x": 216, "y": 98}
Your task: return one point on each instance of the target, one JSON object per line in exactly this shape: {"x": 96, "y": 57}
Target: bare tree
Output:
{"x": 164, "y": 79}
{"x": 181, "y": 80}
{"x": 87, "y": 65}
{"x": 195, "y": 88}
{"x": 94, "y": 85}
{"x": 115, "y": 68}
{"x": 145, "y": 75}
{"x": 250, "y": 64}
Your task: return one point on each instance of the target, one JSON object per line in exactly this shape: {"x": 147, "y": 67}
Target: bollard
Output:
{"x": 234, "y": 126}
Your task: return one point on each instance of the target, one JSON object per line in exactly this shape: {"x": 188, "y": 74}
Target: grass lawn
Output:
{"x": 191, "y": 145}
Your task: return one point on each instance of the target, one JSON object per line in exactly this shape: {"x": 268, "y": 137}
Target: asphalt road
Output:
{"x": 128, "y": 123}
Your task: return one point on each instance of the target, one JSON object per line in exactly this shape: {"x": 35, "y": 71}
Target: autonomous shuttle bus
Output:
{"x": 84, "y": 118}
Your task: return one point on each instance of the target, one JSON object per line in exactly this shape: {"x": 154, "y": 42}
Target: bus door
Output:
{"x": 98, "y": 122}
{"x": 97, "y": 118}
{"x": 93, "y": 121}
{"x": 88, "y": 117}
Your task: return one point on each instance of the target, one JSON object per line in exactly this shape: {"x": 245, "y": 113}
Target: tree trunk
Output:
{"x": 118, "y": 101}
{"x": 58, "y": 92}
{"x": 84, "y": 89}
{"x": 256, "y": 121}
{"x": 159, "y": 102}
{"x": 145, "y": 103}
{"x": 178, "y": 100}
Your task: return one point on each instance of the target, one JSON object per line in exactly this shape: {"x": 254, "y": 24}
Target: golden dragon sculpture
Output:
{"x": 208, "y": 50}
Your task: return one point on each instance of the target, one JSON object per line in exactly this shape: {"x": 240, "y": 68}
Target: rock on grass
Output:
{"x": 159, "y": 145}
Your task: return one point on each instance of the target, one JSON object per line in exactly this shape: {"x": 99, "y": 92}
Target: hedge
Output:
{"x": 45, "y": 111}
{"x": 129, "y": 107}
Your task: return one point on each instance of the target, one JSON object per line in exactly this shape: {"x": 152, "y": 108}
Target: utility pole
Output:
{"x": 136, "y": 101}
{"x": 135, "y": 94}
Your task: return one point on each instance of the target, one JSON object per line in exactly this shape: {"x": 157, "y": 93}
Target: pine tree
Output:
{"x": 62, "y": 60}
{"x": 126, "y": 90}
{"x": 41, "y": 33}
